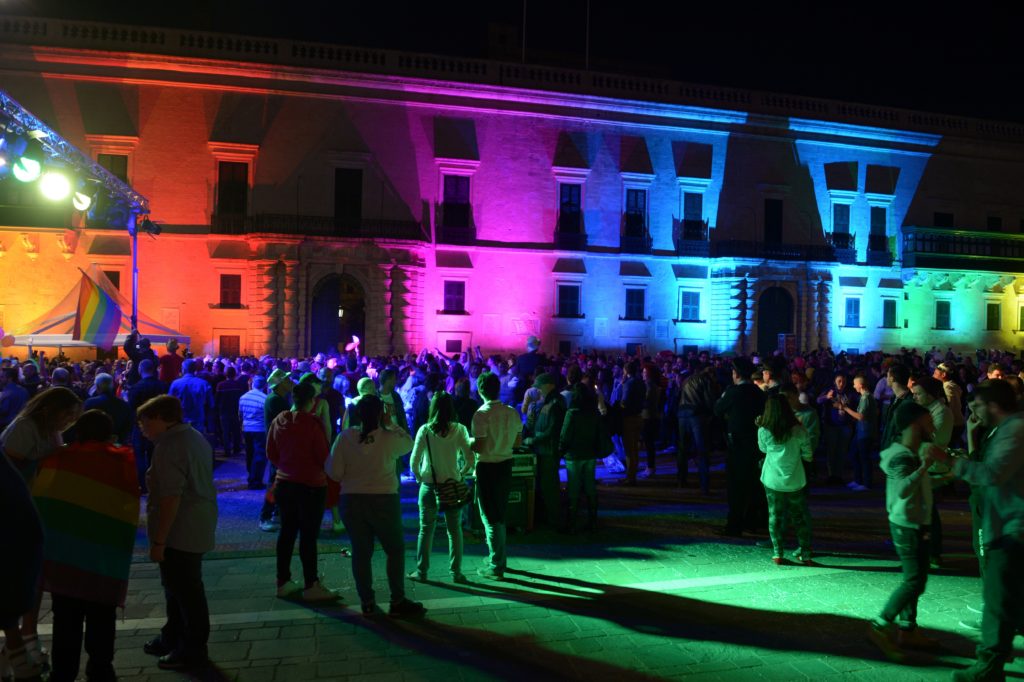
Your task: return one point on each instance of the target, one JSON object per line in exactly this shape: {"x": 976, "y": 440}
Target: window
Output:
{"x": 453, "y": 346}
{"x": 635, "y": 304}
{"x": 841, "y": 218}
{"x": 636, "y": 212}
{"x": 565, "y": 348}
{"x": 117, "y": 164}
{"x": 456, "y": 201}
{"x": 889, "y": 313}
{"x": 994, "y": 223}
{"x": 993, "y": 311}
{"x": 773, "y": 221}
{"x": 879, "y": 220}
{"x": 852, "y": 312}
{"x": 943, "y": 220}
{"x": 568, "y": 300}
{"x": 348, "y": 197}
{"x": 454, "y": 297}
{"x": 942, "y": 315}
{"x": 230, "y": 291}
{"x": 693, "y": 206}
{"x": 232, "y": 188}
{"x": 115, "y": 278}
{"x": 569, "y": 207}
{"x": 230, "y": 346}
{"x": 689, "y": 306}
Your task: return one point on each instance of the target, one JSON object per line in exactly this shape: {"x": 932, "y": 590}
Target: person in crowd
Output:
{"x": 226, "y": 397}
{"x": 545, "y": 425}
{"x": 181, "y": 524}
{"x": 120, "y": 413}
{"x": 465, "y": 404}
{"x": 363, "y": 461}
{"x": 807, "y": 415}
{"x": 898, "y": 378}
{"x": 194, "y": 394}
{"x": 21, "y": 546}
{"x": 633, "y": 393}
{"x": 945, "y": 373}
{"x": 297, "y": 446}
{"x": 36, "y": 432}
{"x": 865, "y": 434}
{"x": 90, "y": 484}
{"x": 442, "y": 452}
{"x": 364, "y": 387}
{"x": 497, "y": 431}
{"x": 697, "y": 399}
{"x": 997, "y": 468}
{"x": 654, "y": 397}
{"x": 61, "y": 377}
{"x": 908, "y": 501}
{"x": 13, "y": 396}
{"x": 333, "y": 397}
{"x": 31, "y": 381}
{"x": 170, "y": 363}
{"x": 583, "y": 440}
{"x": 279, "y": 387}
{"x": 137, "y": 350}
{"x": 838, "y": 429}
{"x": 254, "y": 432}
{"x": 786, "y": 446}
{"x": 145, "y": 389}
{"x": 740, "y": 405}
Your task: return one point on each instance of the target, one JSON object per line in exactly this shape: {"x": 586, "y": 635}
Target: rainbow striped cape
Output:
{"x": 98, "y": 318}
{"x": 88, "y": 499}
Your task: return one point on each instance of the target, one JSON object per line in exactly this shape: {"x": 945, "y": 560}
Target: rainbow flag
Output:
{"x": 98, "y": 318}
{"x": 87, "y": 495}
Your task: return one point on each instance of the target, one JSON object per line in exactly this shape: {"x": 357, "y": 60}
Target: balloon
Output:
{"x": 7, "y": 341}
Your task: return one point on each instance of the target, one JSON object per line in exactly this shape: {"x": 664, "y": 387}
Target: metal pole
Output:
{"x": 134, "y": 229}
{"x": 524, "y": 31}
{"x": 586, "y": 58}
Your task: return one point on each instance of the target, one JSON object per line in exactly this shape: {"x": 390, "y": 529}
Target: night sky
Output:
{"x": 913, "y": 55}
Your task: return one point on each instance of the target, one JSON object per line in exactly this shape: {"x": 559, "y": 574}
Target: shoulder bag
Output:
{"x": 451, "y": 494}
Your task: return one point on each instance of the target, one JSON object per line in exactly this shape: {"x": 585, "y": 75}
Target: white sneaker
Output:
{"x": 288, "y": 589}
{"x": 319, "y": 593}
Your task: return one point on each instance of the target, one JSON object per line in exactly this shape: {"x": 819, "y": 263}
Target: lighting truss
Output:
{"x": 18, "y": 120}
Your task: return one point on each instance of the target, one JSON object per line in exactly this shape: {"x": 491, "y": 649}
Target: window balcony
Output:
{"x": 569, "y": 233}
{"x": 635, "y": 243}
{"x": 317, "y": 226}
{"x": 845, "y": 246}
{"x": 878, "y": 250}
{"x": 692, "y": 239}
{"x": 735, "y": 248}
{"x": 930, "y": 247}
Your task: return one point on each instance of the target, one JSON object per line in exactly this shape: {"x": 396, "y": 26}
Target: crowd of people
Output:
{"x": 83, "y": 442}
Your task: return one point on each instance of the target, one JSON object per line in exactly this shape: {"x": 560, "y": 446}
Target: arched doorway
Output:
{"x": 337, "y": 313}
{"x": 774, "y": 317}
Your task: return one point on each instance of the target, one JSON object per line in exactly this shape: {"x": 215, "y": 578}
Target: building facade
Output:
{"x": 308, "y": 193}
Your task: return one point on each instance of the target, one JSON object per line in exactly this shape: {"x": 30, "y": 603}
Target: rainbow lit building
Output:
{"x": 309, "y": 192}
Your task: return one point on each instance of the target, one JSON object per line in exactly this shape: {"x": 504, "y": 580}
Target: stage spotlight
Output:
{"x": 81, "y": 201}
{"x": 28, "y": 166}
{"x": 55, "y": 185}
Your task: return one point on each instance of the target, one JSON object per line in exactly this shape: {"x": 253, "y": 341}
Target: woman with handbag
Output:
{"x": 436, "y": 466}
{"x": 583, "y": 440}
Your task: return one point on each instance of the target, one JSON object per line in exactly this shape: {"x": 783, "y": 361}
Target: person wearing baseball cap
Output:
{"x": 546, "y": 426}
{"x": 945, "y": 372}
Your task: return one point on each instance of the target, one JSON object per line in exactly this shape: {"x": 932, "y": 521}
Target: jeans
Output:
{"x": 548, "y": 488}
{"x": 691, "y": 443}
{"x": 580, "y": 478}
{"x": 143, "y": 454}
{"x": 911, "y": 546}
{"x": 255, "y": 456}
{"x": 791, "y": 505}
{"x": 425, "y": 540}
{"x": 651, "y": 428}
{"x": 69, "y": 614}
{"x": 493, "y": 483}
{"x": 375, "y": 516}
{"x": 632, "y": 430}
{"x": 187, "y": 630}
{"x": 302, "y": 508}
{"x": 864, "y": 452}
{"x": 231, "y": 432}
{"x": 1003, "y": 613}
{"x": 837, "y": 447}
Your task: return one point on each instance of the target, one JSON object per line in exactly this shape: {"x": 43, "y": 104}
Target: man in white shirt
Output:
{"x": 497, "y": 430}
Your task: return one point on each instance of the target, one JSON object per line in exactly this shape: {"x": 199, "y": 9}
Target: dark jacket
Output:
{"x": 118, "y": 411}
{"x": 740, "y": 405}
{"x": 144, "y": 390}
{"x": 137, "y": 355}
{"x": 889, "y": 433}
{"x": 634, "y": 396}
{"x": 699, "y": 393}
{"x": 583, "y": 433}
{"x": 547, "y": 425}
{"x": 399, "y": 418}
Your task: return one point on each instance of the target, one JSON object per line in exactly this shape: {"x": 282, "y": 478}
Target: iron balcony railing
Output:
{"x": 318, "y": 226}
{"x": 735, "y": 248}
{"x": 928, "y": 247}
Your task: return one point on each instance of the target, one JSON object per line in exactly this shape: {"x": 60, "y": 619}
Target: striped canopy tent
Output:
{"x": 55, "y": 329}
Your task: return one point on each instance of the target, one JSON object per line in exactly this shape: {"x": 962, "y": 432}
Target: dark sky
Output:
{"x": 966, "y": 60}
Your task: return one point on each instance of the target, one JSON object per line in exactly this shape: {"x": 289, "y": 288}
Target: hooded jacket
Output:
{"x": 297, "y": 446}
{"x": 908, "y": 488}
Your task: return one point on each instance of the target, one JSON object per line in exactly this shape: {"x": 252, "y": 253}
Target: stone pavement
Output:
{"x": 651, "y": 594}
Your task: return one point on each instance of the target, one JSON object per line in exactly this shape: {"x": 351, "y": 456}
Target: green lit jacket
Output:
{"x": 547, "y": 425}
